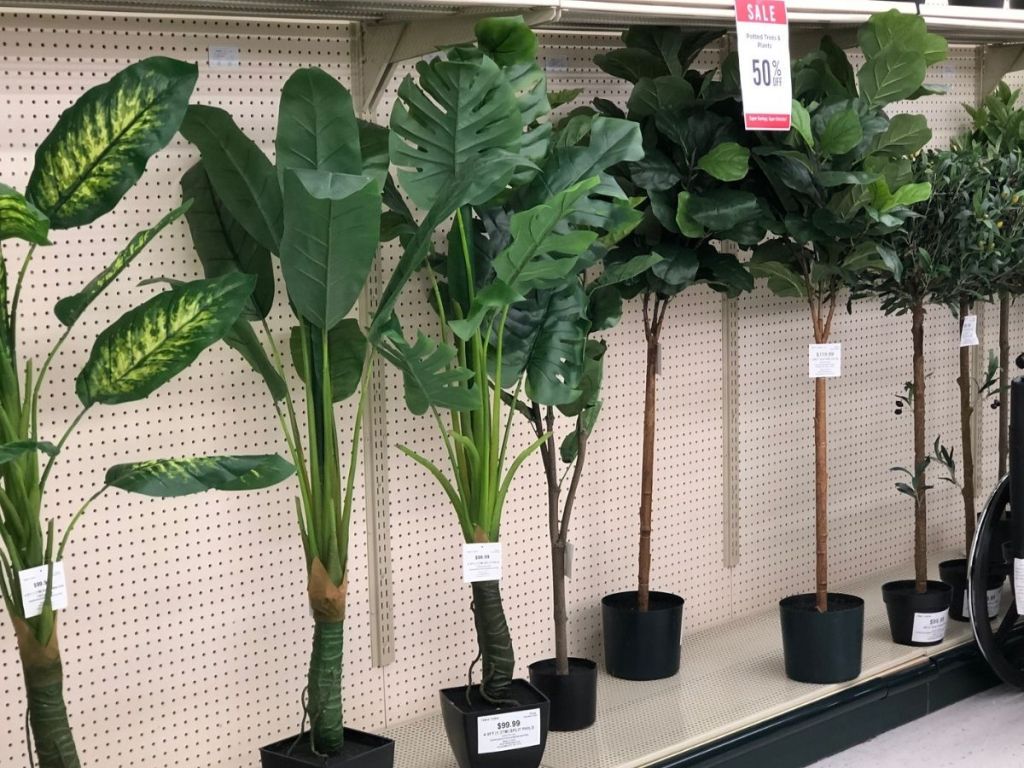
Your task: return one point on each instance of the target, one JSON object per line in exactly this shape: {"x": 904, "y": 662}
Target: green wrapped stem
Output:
{"x": 325, "y": 666}
{"x": 495, "y": 643}
{"x": 51, "y": 731}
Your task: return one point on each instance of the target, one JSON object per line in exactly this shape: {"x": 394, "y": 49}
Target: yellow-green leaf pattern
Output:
{"x": 100, "y": 146}
{"x": 181, "y": 477}
{"x": 154, "y": 342}
{"x": 20, "y": 219}
{"x": 70, "y": 308}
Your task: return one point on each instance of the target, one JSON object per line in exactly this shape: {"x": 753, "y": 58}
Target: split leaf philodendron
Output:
{"x": 94, "y": 155}
{"x": 516, "y": 248}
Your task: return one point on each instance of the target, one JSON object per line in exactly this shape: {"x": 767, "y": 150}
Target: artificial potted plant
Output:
{"x": 694, "y": 176}
{"x": 97, "y": 151}
{"x": 840, "y": 178}
{"x": 318, "y": 209}
{"x": 528, "y": 227}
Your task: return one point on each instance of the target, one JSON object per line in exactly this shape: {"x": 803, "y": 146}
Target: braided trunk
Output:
{"x": 327, "y": 600}
{"x": 495, "y": 643}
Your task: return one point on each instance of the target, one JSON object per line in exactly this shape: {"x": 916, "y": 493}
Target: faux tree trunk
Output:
{"x": 820, "y": 495}
{"x": 920, "y": 497}
{"x": 494, "y": 641}
{"x": 327, "y": 601}
{"x": 966, "y": 438}
{"x": 652, "y": 329}
{"x": 1004, "y": 381}
{"x": 44, "y": 690}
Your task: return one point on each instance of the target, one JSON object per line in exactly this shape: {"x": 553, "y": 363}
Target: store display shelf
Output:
{"x": 731, "y": 679}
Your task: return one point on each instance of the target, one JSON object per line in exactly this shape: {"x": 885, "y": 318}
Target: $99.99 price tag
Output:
{"x": 508, "y": 730}
{"x": 762, "y": 42}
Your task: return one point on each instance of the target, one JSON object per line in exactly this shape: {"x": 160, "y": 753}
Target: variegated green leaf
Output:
{"x": 100, "y": 146}
{"x": 70, "y": 308}
{"x": 181, "y": 477}
{"x": 20, "y": 219}
{"x": 151, "y": 344}
{"x": 11, "y": 451}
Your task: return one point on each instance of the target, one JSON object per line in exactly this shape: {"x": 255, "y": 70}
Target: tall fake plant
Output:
{"x": 483, "y": 112}
{"x": 842, "y": 178}
{"x": 318, "y": 210}
{"x": 694, "y": 176}
{"x": 89, "y": 161}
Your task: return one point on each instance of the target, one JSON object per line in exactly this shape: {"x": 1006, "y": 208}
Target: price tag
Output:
{"x": 762, "y": 37}
{"x": 929, "y": 627}
{"x": 481, "y": 562}
{"x": 33, "y": 589}
{"x": 995, "y": 601}
{"x": 514, "y": 730}
{"x": 1018, "y": 584}
{"x": 824, "y": 361}
{"x": 969, "y": 332}
{"x": 222, "y": 56}
{"x": 568, "y": 559}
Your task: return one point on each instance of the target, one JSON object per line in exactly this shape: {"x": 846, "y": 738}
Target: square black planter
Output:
{"x": 361, "y": 750}
{"x": 482, "y": 735}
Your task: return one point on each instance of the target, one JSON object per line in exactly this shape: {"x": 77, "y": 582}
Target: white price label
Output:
{"x": 222, "y": 56}
{"x": 929, "y": 627}
{"x": 568, "y": 559}
{"x": 969, "y": 332}
{"x": 762, "y": 37}
{"x": 995, "y": 601}
{"x": 513, "y": 730}
{"x": 824, "y": 361}
{"x": 481, "y": 562}
{"x": 33, "y": 589}
{"x": 1018, "y": 584}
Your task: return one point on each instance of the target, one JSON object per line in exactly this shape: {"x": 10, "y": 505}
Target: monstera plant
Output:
{"x": 94, "y": 155}
{"x": 530, "y": 226}
{"x": 318, "y": 210}
{"x": 694, "y": 176}
{"x": 841, "y": 178}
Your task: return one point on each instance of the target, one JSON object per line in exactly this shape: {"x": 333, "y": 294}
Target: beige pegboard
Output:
{"x": 188, "y": 636}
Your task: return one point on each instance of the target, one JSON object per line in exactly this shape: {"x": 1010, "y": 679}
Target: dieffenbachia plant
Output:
{"x": 318, "y": 210}
{"x": 694, "y": 175}
{"x": 840, "y": 179}
{"x": 94, "y": 155}
{"x": 524, "y": 236}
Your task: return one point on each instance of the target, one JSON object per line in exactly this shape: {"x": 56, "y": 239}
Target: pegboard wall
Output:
{"x": 188, "y": 634}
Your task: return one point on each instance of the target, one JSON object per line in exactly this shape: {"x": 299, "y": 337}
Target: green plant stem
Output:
{"x": 920, "y": 469}
{"x": 60, "y": 445}
{"x": 74, "y": 521}
{"x": 350, "y": 481}
{"x": 324, "y": 691}
{"x": 37, "y": 389}
{"x": 17, "y": 298}
{"x": 966, "y": 437}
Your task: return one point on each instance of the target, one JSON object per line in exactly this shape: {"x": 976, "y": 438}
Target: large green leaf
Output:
{"x": 241, "y": 175}
{"x": 100, "y": 145}
{"x": 223, "y": 245}
{"x": 903, "y": 30}
{"x": 331, "y": 234}
{"x": 905, "y": 135}
{"x": 182, "y": 477}
{"x": 659, "y": 94}
{"x": 545, "y": 337}
{"x": 431, "y": 379}
{"x": 373, "y": 146}
{"x": 508, "y": 40}
{"x": 70, "y": 308}
{"x": 11, "y": 451}
{"x": 721, "y": 209}
{"x": 316, "y": 126}
{"x": 894, "y": 74}
{"x": 459, "y": 111}
{"x": 20, "y": 219}
{"x": 842, "y": 133}
{"x": 152, "y": 343}
{"x": 570, "y": 447}
{"x": 728, "y": 161}
{"x": 346, "y": 348}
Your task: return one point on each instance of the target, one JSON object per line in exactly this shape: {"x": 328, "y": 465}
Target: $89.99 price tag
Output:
{"x": 762, "y": 41}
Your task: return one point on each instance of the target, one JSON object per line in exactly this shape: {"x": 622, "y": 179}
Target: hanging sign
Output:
{"x": 33, "y": 589}
{"x": 481, "y": 562}
{"x": 969, "y": 332}
{"x": 824, "y": 361}
{"x": 762, "y": 37}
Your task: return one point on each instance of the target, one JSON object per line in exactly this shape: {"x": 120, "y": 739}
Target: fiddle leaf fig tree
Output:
{"x": 840, "y": 179}
{"x": 694, "y": 176}
{"x": 97, "y": 151}
{"x": 514, "y": 249}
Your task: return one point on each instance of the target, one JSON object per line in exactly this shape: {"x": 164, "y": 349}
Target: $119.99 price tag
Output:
{"x": 762, "y": 38}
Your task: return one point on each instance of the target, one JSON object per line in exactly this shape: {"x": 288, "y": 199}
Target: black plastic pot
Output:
{"x": 482, "y": 735}
{"x": 361, "y": 750}
{"x": 954, "y": 573}
{"x": 917, "y": 618}
{"x": 573, "y": 697}
{"x": 822, "y": 647}
{"x": 1017, "y": 4}
{"x": 642, "y": 646}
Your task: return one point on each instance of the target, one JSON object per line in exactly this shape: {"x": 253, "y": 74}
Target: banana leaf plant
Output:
{"x": 97, "y": 151}
{"x": 841, "y": 179}
{"x": 998, "y": 122}
{"x": 694, "y": 176}
{"x": 530, "y": 228}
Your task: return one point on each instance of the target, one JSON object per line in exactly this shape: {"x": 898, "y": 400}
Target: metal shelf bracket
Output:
{"x": 385, "y": 44}
{"x": 997, "y": 61}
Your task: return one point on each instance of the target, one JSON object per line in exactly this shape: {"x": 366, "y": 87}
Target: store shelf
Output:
{"x": 731, "y": 679}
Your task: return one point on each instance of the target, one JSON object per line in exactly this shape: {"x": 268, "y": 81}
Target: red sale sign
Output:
{"x": 762, "y": 37}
